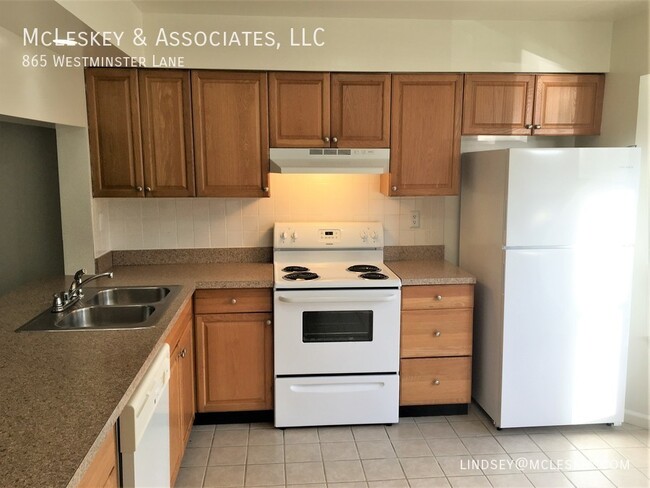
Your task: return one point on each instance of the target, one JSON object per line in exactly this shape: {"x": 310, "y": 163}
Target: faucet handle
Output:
{"x": 57, "y": 303}
{"x": 79, "y": 274}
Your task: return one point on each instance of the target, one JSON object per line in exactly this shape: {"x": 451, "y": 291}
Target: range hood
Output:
{"x": 329, "y": 160}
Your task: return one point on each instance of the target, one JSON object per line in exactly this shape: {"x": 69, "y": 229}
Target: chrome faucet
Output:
{"x": 66, "y": 299}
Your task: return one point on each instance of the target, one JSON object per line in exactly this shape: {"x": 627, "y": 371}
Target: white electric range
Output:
{"x": 337, "y": 325}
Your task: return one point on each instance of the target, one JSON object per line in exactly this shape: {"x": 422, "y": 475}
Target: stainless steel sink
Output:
{"x": 114, "y": 308}
{"x": 130, "y": 296}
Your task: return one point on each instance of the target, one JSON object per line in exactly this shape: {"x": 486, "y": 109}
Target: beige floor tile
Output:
{"x": 338, "y": 471}
{"x": 517, "y": 443}
{"x": 482, "y": 445}
{"x": 471, "y": 428}
{"x": 447, "y": 447}
{"x": 412, "y": 448}
{"x": 370, "y": 433}
{"x": 642, "y": 436}
{"x": 407, "y": 420}
{"x": 224, "y": 476}
{"x": 627, "y": 478}
{"x": 509, "y": 481}
{"x": 604, "y": 458}
{"x": 458, "y": 466}
{"x": 301, "y": 435}
{"x": 231, "y": 455}
{"x": 388, "y": 484}
{"x": 339, "y": 451}
{"x": 265, "y": 454}
{"x": 236, "y": 437}
{"x": 233, "y": 426}
{"x": 534, "y": 462}
{"x": 203, "y": 428}
{"x": 349, "y": 484}
{"x": 264, "y": 474}
{"x": 571, "y": 461}
{"x": 588, "y": 479}
{"x": 422, "y": 467}
{"x": 305, "y": 485}
{"x": 197, "y": 456}
{"x": 552, "y": 442}
{"x": 586, "y": 440}
{"x": 302, "y": 453}
{"x": 496, "y": 463}
{"x": 190, "y": 477}
{"x": 463, "y": 417}
{"x": 638, "y": 456}
{"x": 305, "y": 473}
{"x": 430, "y": 419}
{"x": 382, "y": 469}
{"x": 429, "y": 483}
{"x": 549, "y": 480}
{"x": 335, "y": 434}
{"x": 469, "y": 482}
{"x": 375, "y": 450}
{"x": 262, "y": 425}
{"x": 437, "y": 430}
{"x": 620, "y": 439}
{"x": 404, "y": 432}
{"x": 265, "y": 437}
{"x": 200, "y": 438}
{"x": 645, "y": 471}
{"x": 542, "y": 430}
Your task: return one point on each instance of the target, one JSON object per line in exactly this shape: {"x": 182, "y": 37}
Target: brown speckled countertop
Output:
{"x": 430, "y": 272}
{"x": 63, "y": 391}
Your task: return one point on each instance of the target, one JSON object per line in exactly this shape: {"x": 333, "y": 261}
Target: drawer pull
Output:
{"x": 437, "y": 333}
{"x": 233, "y": 301}
{"x": 183, "y": 353}
{"x": 436, "y": 382}
{"x": 439, "y": 297}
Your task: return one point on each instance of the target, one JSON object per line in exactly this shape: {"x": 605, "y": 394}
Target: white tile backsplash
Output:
{"x": 171, "y": 223}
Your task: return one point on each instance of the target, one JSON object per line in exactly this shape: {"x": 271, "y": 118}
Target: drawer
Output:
{"x": 233, "y": 300}
{"x": 437, "y": 296}
{"x": 435, "y": 381}
{"x": 428, "y": 333}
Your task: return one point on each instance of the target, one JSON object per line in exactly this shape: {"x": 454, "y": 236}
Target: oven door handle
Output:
{"x": 338, "y": 299}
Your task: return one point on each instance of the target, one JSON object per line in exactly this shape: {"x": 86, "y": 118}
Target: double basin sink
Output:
{"x": 111, "y": 308}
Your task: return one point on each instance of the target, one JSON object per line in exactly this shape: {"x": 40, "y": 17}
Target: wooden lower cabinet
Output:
{"x": 103, "y": 471}
{"x": 435, "y": 381}
{"x": 181, "y": 388}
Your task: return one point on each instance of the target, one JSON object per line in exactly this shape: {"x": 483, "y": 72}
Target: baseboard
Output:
{"x": 244, "y": 417}
{"x": 637, "y": 418}
{"x": 433, "y": 410}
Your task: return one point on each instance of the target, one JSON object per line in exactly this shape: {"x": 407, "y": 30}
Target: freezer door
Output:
{"x": 572, "y": 196}
{"x": 566, "y": 321}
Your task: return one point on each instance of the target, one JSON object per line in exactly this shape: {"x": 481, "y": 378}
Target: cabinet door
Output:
{"x": 299, "y": 109}
{"x": 230, "y": 133}
{"x": 114, "y": 132}
{"x": 360, "y": 110}
{"x": 435, "y": 381}
{"x": 568, "y": 104}
{"x": 425, "y": 136}
{"x": 498, "y": 104}
{"x": 176, "y": 446}
{"x": 102, "y": 471}
{"x": 166, "y": 116}
{"x": 186, "y": 375}
{"x": 234, "y": 362}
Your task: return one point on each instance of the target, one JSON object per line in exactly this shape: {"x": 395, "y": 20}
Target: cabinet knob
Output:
{"x": 537, "y": 126}
{"x": 233, "y": 301}
{"x": 265, "y": 189}
{"x": 436, "y": 382}
{"x": 268, "y": 322}
{"x": 183, "y": 353}
{"x": 326, "y": 139}
{"x": 147, "y": 188}
{"x": 394, "y": 188}
{"x": 437, "y": 333}
{"x": 528, "y": 126}
{"x": 138, "y": 188}
{"x": 335, "y": 139}
{"x": 439, "y": 297}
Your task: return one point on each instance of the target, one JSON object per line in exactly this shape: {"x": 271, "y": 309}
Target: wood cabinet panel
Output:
{"x": 568, "y": 104}
{"x": 166, "y": 114}
{"x": 103, "y": 470}
{"x": 498, "y": 104}
{"x": 234, "y": 300}
{"x": 427, "y": 333}
{"x": 114, "y": 132}
{"x": 425, "y": 135}
{"x": 435, "y": 381}
{"x": 234, "y": 361}
{"x": 437, "y": 297}
{"x": 230, "y": 133}
{"x": 360, "y": 110}
{"x": 299, "y": 109}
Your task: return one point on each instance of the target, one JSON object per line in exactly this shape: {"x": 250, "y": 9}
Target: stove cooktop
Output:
{"x": 334, "y": 275}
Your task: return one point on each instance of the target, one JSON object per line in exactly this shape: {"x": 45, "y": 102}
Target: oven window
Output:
{"x": 343, "y": 326}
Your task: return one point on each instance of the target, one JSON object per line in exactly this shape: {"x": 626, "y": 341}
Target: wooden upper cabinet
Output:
{"x": 425, "y": 135}
{"x": 329, "y": 110}
{"x": 568, "y": 104}
{"x": 166, "y": 114}
{"x": 543, "y": 105}
{"x": 114, "y": 132}
{"x": 230, "y": 133}
{"x": 498, "y": 104}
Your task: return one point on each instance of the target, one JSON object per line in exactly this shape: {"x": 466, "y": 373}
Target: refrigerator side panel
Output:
{"x": 482, "y": 220}
{"x": 572, "y": 197}
{"x": 566, "y": 321}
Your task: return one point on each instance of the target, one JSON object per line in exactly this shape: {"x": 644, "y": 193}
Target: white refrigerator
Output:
{"x": 549, "y": 235}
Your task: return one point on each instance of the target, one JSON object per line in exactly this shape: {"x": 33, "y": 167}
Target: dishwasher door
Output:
{"x": 144, "y": 429}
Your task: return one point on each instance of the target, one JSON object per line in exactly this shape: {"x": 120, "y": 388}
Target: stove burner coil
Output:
{"x": 363, "y": 268}
{"x": 373, "y": 276}
{"x": 294, "y": 269}
{"x": 301, "y": 275}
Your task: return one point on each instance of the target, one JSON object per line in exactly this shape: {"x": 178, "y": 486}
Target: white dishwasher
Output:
{"x": 144, "y": 429}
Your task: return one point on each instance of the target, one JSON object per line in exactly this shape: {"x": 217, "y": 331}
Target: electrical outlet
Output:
{"x": 415, "y": 219}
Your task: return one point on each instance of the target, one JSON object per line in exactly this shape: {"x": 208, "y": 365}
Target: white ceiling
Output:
{"x": 578, "y": 10}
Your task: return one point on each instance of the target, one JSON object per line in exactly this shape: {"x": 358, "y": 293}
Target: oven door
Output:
{"x": 340, "y": 331}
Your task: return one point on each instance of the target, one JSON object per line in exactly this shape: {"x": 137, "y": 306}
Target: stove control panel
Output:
{"x": 330, "y": 235}
{"x": 314, "y": 235}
